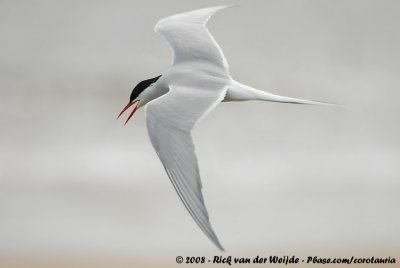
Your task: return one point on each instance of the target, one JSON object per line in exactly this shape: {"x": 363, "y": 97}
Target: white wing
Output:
{"x": 191, "y": 41}
{"x": 170, "y": 120}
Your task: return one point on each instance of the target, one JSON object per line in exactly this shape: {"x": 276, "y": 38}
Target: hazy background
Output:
{"x": 75, "y": 183}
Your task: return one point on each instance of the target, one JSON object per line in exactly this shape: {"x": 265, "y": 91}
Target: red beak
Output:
{"x": 127, "y": 107}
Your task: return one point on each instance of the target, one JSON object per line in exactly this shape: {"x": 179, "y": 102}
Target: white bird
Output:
{"x": 177, "y": 100}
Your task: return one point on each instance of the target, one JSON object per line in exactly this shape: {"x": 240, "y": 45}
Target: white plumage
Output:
{"x": 197, "y": 81}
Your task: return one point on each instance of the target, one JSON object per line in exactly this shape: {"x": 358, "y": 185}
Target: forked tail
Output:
{"x": 239, "y": 92}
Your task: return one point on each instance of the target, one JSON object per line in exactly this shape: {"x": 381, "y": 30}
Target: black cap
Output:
{"x": 142, "y": 86}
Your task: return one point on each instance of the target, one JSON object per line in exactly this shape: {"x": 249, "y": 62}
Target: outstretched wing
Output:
{"x": 170, "y": 120}
{"x": 190, "y": 39}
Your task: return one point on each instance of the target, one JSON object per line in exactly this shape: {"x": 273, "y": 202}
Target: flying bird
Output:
{"x": 197, "y": 81}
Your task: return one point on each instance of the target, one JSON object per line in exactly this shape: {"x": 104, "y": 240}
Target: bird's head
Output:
{"x": 136, "y": 94}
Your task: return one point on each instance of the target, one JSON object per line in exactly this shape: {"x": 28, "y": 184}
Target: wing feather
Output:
{"x": 190, "y": 39}
{"x": 170, "y": 120}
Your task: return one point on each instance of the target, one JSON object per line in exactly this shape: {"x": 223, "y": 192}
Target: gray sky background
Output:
{"x": 276, "y": 177}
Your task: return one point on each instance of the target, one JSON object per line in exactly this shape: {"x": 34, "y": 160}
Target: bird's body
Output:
{"x": 176, "y": 101}
{"x": 235, "y": 91}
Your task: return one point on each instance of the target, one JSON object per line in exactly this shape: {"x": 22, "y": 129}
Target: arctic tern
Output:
{"x": 177, "y": 100}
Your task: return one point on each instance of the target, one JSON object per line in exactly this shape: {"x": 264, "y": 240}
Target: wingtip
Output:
{"x": 221, "y": 248}
{"x": 218, "y": 244}
{"x": 214, "y": 9}
{"x": 232, "y": 5}
{"x": 215, "y": 241}
{"x": 201, "y": 15}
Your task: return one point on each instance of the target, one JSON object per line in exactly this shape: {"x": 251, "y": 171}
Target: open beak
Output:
{"x": 127, "y": 107}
